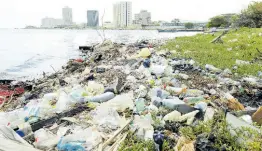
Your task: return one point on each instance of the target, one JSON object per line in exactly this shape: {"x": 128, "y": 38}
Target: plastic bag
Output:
{"x": 141, "y": 92}
{"x": 78, "y": 94}
{"x": 63, "y": 102}
{"x": 45, "y": 140}
{"x": 158, "y": 70}
{"x": 107, "y": 119}
{"x": 12, "y": 118}
{"x": 94, "y": 88}
{"x": 145, "y": 52}
{"x": 173, "y": 116}
{"x": 143, "y": 126}
{"x": 82, "y": 140}
{"x": 120, "y": 102}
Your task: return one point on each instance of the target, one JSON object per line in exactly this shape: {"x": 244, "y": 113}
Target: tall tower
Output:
{"x": 67, "y": 15}
{"x": 92, "y": 18}
{"x": 122, "y": 13}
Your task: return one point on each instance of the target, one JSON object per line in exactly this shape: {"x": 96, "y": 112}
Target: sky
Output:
{"x": 19, "y": 13}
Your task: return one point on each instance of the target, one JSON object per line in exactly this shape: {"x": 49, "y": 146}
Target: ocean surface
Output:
{"x": 26, "y": 53}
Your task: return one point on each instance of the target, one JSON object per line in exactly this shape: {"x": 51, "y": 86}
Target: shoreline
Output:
{"x": 130, "y": 82}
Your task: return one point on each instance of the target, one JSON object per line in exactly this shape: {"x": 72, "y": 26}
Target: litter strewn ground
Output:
{"x": 130, "y": 97}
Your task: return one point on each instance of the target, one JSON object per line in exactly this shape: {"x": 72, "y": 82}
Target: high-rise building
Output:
{"x": 92, "y": 18}
{"x": 51, "y": 22}
{"x": 67, "y": 16}
{"x": 122, "y": 13}
{"x": 143, "y": 18}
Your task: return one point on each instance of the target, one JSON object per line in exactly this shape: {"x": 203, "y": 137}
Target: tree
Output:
{"x": 189, "y": 25}
{"x": 176, "y": 21}
{"x": 218, "y": 21}
{"x": 251, "y": 17}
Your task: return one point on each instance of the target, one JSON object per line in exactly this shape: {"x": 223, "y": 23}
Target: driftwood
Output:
{"x": 115, "y": 135}
{"x": 258, "y": 58}
{"x": 218, "y": 38}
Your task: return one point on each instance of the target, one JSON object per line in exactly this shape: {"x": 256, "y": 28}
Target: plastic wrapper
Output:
{"x": 107, "y": 119}
{"x": 82, "y": 140}
{"x": 94, "y": 88}
{"x": 45, "y": 140}
{"x": 120, "y": 102}
{"x": 173, "y": 116}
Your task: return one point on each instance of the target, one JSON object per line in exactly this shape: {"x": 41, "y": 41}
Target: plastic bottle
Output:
{"x": 175, "y": 90}
{"x": 193, "y": 93}
{"x": 175, "y": 83}
{"x": 146, "y": 63}
{"x": 140, "y": 104}
{"x": 102, "y": 97}
{"x": 202, "y": 106}
{"x": 193, "y": 100}
{"x": 169, "y": 103}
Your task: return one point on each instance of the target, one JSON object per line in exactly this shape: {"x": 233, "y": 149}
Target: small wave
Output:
{"x": 33, "y": 62}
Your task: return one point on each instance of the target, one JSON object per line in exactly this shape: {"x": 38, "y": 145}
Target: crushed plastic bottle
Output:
{"x": 169, "y": 103}
{"x": 175, "y": 91}
{"x": 140, "y": 104}
{"x": 193, "y": 100}
{"x": 193, "y": 93}
{"x": 202, "y": 106}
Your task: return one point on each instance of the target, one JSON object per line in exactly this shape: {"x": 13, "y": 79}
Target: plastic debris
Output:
{"x": 257, "y": 116}
{"x": 173, "y": 116}
{"x": 145, "y": 52}
{"x": 184, "y": 144}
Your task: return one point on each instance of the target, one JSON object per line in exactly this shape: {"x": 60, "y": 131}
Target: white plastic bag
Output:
{"x": 63, "y": 102}
{"x": 94, "y": 88}
{"x": 107, "y": 119}
{"x": 121, "y": 102}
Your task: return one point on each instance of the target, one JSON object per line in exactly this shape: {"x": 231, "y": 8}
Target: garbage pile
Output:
{"x": 114, "y": 91}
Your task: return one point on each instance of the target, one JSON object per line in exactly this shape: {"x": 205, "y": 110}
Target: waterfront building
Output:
{"x": 122, "y": 14}
{"x": 143, "y": 18}
{"x": 92, "y": 18}
{"x": 48, "y": 22}
{"x": 67, "y": 16}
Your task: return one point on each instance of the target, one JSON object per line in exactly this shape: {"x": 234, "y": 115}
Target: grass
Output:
{"x": 219, "y": 128}
{"x": 238, "y": 44}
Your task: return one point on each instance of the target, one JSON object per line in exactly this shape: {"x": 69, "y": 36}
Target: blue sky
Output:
{"x": 19, "y": 13}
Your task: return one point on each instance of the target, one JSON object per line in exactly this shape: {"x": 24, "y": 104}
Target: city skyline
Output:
{"x": 30, "y": 12}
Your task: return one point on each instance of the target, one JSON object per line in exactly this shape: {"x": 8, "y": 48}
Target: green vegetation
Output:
{"x": 189, "y": 25}
{"x": 249, "y": 17}
{"x": 219, "y": 21}
{"x": 218, "y": 130}
{"x": 237, "y": 44}
{"x": 132, "y": 143}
